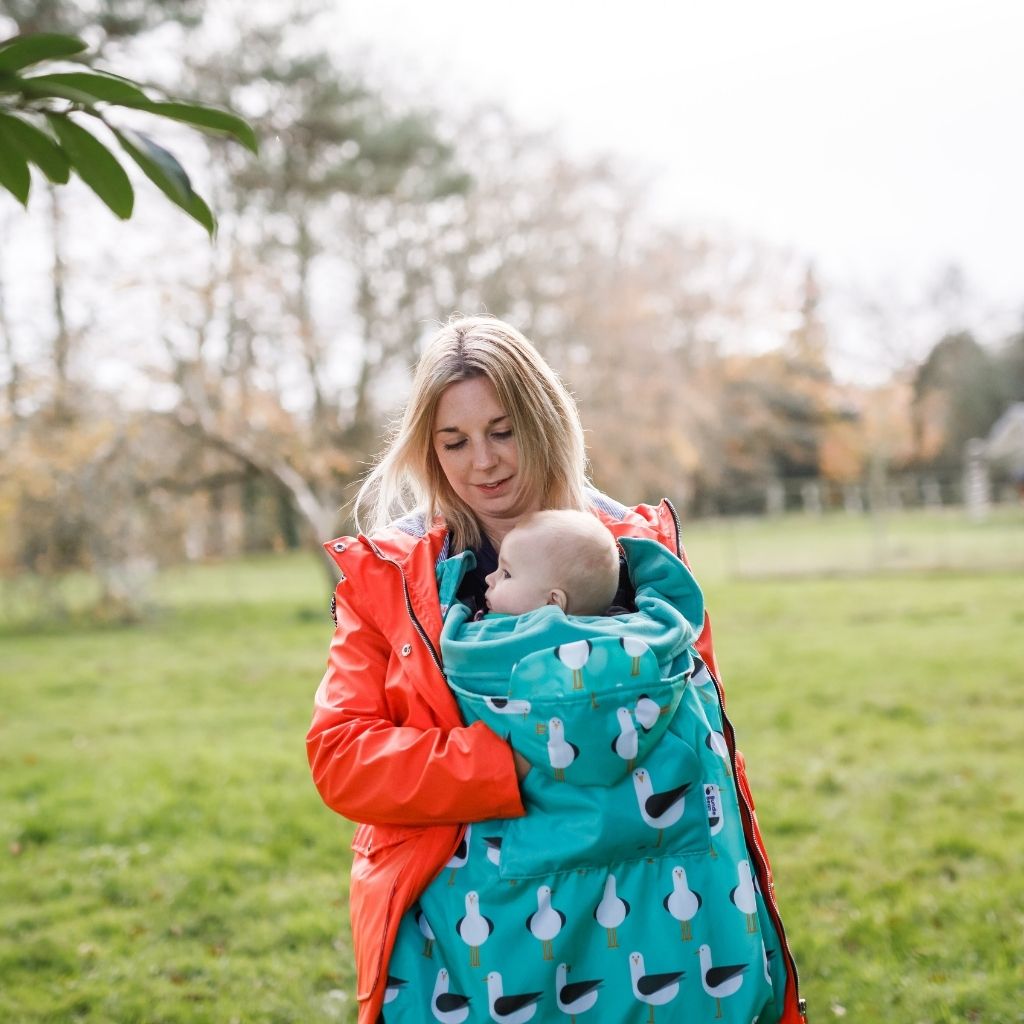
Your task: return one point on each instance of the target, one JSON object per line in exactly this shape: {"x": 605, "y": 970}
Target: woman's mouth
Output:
{"x": 495, "y": 487}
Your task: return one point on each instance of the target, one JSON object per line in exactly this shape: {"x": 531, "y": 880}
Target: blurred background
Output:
{"x": 787, "y": 243}
{"x": 775, "y": 252}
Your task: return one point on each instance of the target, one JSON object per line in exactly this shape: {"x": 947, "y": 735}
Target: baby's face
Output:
{"x": 522, "y": 581}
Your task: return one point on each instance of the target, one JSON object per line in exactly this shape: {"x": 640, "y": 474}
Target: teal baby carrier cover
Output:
{"x": 625, "y": 893}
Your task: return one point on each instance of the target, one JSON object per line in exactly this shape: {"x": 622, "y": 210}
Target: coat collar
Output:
{"x": 405, "y": 537}
{"x": 417, "y": 548}
{"x": 403, "y": 540}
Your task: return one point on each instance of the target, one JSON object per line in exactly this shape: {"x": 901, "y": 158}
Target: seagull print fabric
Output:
{"x": 625, "y": 895}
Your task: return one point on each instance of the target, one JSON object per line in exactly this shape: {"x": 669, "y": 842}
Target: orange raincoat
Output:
{"x": 388, "y": 748}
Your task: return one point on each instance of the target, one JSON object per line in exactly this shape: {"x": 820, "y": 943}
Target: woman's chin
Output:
{"x": 505, "y": 505}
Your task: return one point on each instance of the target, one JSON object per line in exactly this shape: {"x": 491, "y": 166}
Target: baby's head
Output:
{"x": 555, "y": 557}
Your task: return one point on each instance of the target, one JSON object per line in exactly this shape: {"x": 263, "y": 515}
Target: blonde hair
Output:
{"x": 544, "y": 417}
{"x": 581, "y": 554}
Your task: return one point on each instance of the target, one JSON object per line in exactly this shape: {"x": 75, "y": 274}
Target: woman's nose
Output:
{"x": 483, "y": 456}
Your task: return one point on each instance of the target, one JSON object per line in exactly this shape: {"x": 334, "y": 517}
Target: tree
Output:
{"x": 1009, "y": 358}
{"x": 72, "y": 479}
{"x": 344, "y": 177}
{"x": 958, "y": 395}
{"x": 41, "y": 114}
{"x": 105, "y": 21}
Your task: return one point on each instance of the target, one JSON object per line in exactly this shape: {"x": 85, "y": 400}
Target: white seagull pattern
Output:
{"x": 701, "y": 680}
{"x": 636, "y": 649}
{"x": 742, "y": 896}
{"x": 715, "y": 742}
{"x": 474, "y": 929}
{"x": 646, "y": 711}
{"x": 448, "y": 1007}
{"x": 719, "y": 982}
{"x": 561, "y": 753}
{"x": 508, "y": 705}
{"x": 493, "y": 844}
{"x": 392, "y": 987}
{"x": 682, "y": 902}
{"x": 765, "y": 957}
{"x": 429, "y": 938}
{"x": 611, "y": 912}
{"x": 659, "y": 810}
{"x": 574, "y": 656}
{"x": 461, "y": 855}
{"x": 574, "y": 997}
{"x": 515, "y": 1009}
{"x": 627, "y": 743}
{"x": 546, "y": 922}
{"x": 652, "y": 989}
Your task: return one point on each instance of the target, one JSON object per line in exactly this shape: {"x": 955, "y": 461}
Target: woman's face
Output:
{"x": 479, "y": 456}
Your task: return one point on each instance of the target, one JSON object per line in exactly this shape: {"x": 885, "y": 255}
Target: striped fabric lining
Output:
{"x": 415, "y": 524}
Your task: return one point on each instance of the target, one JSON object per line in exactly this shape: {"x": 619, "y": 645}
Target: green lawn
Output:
{"x": 164, "y": 856}
{"x": 942, "y": 540}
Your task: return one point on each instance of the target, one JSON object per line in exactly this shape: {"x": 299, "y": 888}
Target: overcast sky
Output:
{"x": 884, "y": 139}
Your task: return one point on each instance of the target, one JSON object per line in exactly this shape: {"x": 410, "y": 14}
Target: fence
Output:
{"x": 826, "y": 542}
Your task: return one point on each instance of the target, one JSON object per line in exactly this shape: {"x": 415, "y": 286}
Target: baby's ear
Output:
{"x": 558, "y": 597}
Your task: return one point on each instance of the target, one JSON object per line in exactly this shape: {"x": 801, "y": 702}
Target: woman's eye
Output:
{"x": 455, "y": 446}
{"x": 502, "y": 435}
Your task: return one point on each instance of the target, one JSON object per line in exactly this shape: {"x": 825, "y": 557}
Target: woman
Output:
{"x": 489, "y": 435}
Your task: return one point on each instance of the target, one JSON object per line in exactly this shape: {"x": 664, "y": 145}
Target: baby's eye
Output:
{"x": 455, "y": 446}
{"x": 505, "y": 574}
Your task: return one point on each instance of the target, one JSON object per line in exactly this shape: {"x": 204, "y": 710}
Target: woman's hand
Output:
{"x": 522, "y": 765}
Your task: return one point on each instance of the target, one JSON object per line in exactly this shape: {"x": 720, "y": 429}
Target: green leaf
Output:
{"x": 199, "y": 211}
{"x": 36, "y": 146}
{"x": 20, "y": 51}
{"x": 206, "y": 117}
{"x": 95, "y": 85}
{"x": 158, "y": 164}
{"x": 95, "y": 165}
{"x": 163, "y": 169}
{"x": 40, "y": 88}
{"x": 14, "y": 175}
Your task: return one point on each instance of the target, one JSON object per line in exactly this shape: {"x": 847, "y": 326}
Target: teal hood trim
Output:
{"x": 584, "y": 698}
{"x": 669, "y": 618}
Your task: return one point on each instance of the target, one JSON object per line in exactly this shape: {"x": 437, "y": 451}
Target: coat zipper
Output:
{"x": 679, "y": 529}
{"x": 433, "y": 654}
{"x": 758, "y": 849}
{"x": 408, "y": 604}
{"x": 762, "y": 856}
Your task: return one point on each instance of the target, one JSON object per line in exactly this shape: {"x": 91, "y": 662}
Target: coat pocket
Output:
{"x": 657, "y": 810}
{"x": 371, "y": 839}
{"x": 370, "y": 916}
{"x": 376, "y": 872}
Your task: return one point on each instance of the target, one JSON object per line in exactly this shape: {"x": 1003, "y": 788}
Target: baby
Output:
{"x": 630, "y": 808}
{"x": 557, "y": 557}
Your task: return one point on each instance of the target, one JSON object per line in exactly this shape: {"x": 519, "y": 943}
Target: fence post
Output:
{"x": 810, "y": 496}
{"x": 976, "y": 482}
{"x": 931, "y": 493}
{"x": 853, "y": 499}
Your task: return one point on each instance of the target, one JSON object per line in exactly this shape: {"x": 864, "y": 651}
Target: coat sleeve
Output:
{"x": 374, "y": 770}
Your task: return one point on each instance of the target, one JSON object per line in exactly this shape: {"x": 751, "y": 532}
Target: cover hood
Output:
{"x": 582, "y": 697}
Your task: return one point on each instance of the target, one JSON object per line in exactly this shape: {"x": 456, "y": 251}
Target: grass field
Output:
{"x": 941, "y": 540}
{"x": 165, "y": 858}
